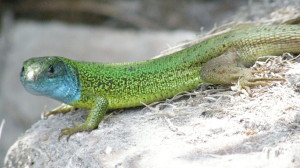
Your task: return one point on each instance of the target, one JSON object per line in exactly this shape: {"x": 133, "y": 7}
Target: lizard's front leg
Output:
{"x": 63, "y": 108}
{"x": 95, "y": 116}
{"x": 226, "y": 69}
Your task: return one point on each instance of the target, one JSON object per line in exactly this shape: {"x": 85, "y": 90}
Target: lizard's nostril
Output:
{"x": 22, "y": 71}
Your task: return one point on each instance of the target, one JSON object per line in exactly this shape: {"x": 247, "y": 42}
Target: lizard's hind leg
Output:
{"x": 226, "y": 69}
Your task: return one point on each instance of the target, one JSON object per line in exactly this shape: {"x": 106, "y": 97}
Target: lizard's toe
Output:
{"x": 67, "y": 132}
{"x": 246, "y": 83}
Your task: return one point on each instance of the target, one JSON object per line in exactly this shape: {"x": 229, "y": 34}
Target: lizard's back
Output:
{"x": 129, "y": 84}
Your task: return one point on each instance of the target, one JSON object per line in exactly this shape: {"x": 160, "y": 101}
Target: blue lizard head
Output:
{"x": 52, "y": 77}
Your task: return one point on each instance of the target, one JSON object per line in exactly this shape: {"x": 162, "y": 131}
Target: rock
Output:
{"x": 293, "y": 77}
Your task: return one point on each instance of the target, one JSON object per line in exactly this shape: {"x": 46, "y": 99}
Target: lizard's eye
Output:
{"x": 50, "y": 71}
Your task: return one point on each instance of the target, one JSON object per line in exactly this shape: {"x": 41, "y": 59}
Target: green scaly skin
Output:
{"x": 220, "y": 60}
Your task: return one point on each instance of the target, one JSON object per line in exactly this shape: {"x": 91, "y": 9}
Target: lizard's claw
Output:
{"x": 68, "y": 132}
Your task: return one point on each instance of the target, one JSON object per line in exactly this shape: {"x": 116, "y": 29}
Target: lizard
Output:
{"x": 223, "y": 59}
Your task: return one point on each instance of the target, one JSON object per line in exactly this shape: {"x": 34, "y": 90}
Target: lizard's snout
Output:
{"x": 27, "y": 76}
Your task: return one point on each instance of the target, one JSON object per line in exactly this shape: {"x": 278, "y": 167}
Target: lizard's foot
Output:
{"x": 225, "y": 70}
{"x": 246, "y": 82}
{"x": 63, "y": 108}
{"x": 95, "y": 116}
{"x": 77, "y": 128}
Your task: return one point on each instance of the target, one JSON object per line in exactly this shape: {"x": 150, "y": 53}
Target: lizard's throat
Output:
{"x": 66, "y": 93}
{"x": 67, "y": 89}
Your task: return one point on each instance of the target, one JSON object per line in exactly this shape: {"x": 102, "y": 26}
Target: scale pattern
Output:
{"x": 129, "y": 84}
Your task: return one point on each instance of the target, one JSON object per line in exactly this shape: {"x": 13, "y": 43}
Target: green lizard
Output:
{"x": 100, "y": 87}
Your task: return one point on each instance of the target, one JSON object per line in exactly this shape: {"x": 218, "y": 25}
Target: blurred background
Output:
{"x": 93, "y": 30}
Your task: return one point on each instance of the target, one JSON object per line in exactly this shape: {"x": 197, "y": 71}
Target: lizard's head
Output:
{"x": 52, "y": 77}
